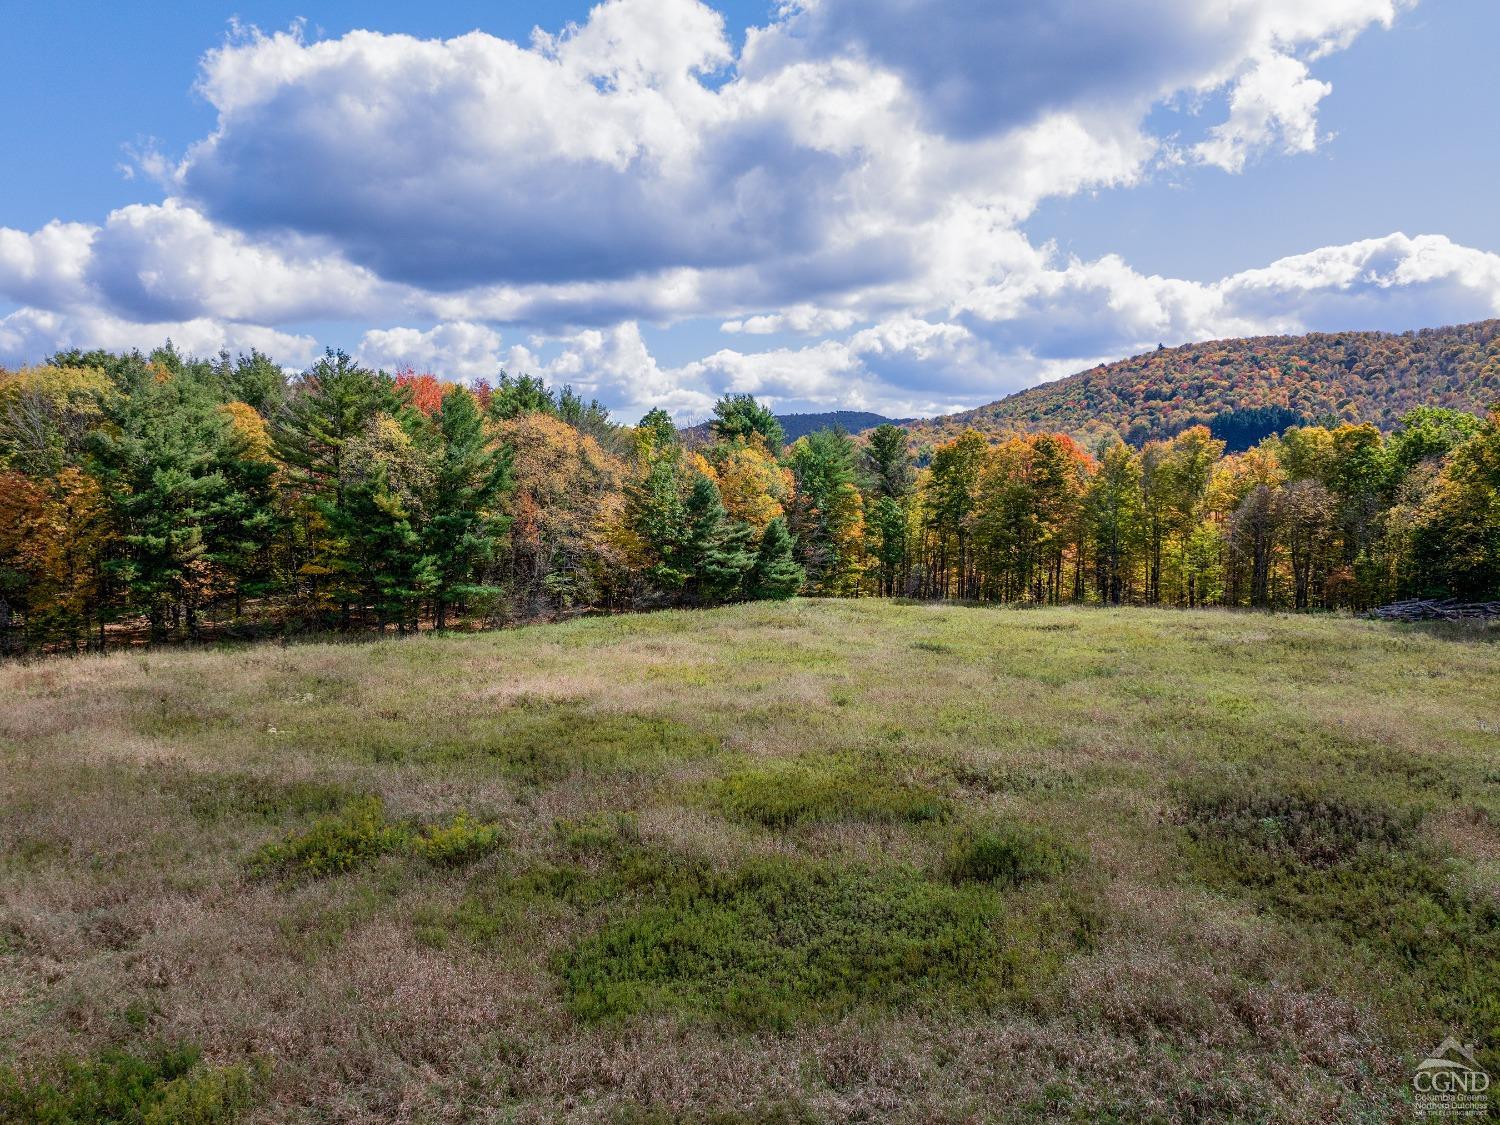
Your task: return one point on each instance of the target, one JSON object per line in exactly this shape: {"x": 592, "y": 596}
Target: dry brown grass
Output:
{"x": 133, "y": 787}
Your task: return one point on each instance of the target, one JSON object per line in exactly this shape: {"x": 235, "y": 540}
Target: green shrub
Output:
{"x": 333, "y": 845}
{"x": 779, "y": 940}
{"x": 460, "y": 841}
{"x": 790, "y": 792}
{"x": 163, "y": 1086}
{"x": 361, "y": 833}
{"x": 1318, "y": 829}
{"x": 1358, "y": 871}
{"x": 545, "y": 744}
{"x": 992, "y": 777}
{"x": 211, "y": 797}
{"x": 1006, "y": 854}
{"x": 611, "y": 833}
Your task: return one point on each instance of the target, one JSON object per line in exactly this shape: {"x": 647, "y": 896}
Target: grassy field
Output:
{"x": 800, "y": 862}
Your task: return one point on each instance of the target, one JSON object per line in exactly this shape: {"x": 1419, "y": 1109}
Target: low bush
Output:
{"x": 1318, "y": 829}
{"x": 361, "y": 833}
{"x": 212, "y": 797}
{"x": 1006, "y": 854}
{"x": 545, "y": 744}
{"x": 460, "y": 841}
{"x": 161, "y": 1086}
{"x": 358, "y": 834}
{"x": 994, "y": 777}
{"x": 1358, "y": 871}
{"x": 791, "y": 792}
{"x": 778, "y": 941}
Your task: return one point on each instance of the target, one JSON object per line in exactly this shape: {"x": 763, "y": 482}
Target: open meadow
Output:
{"x": 803, "y": 861}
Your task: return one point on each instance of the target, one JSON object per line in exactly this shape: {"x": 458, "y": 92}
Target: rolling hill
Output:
{"x": 754, "y": 864}
{"x": 1246, "y": 388}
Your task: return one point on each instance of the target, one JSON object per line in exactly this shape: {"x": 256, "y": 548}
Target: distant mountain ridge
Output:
{"x": 800, "y": 425}
{"x": 1247, "y": 387}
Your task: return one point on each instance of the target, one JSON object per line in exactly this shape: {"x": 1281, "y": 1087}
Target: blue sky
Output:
{"x": 900, "y": 205}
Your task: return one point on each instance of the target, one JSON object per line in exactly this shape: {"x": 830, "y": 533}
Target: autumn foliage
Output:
{"x": 157, "y": 497}
{"x": 1246, "y": 389}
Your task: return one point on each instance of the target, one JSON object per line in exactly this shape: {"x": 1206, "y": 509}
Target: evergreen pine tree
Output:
{"x": 776, "y": 574}
{"x": 740, "y": 416}
{"x": 717, "y": 551}
{"x": 470, "y": 474}
{"x": 181, "y": 494}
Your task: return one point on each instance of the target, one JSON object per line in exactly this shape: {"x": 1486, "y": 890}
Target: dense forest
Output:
{"x": 146, "y": 498}
{"x": 1250, "y": 388}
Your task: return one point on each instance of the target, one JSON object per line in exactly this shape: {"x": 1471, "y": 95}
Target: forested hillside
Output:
{"x": 1246, "y": 389}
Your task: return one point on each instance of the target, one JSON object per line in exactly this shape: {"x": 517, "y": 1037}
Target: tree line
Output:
{"x": 155, "y": 497}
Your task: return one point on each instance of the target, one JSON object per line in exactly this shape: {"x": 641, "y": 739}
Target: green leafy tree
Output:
{"x": 888, "y": 529}
{"x": 378, "y": 521}
{"x": 332, "y": 406}
{"x": 258, "y": 382}
{"x": 656, "y": 510}
{"x": 1116, "y": 522}
{"x": 655, "y": 431}
{"x": 1428, "y": 433}
{"x": 183, "y": 495}
{"x": 951, "y": 506}
{"x": 521, "y": 394}
{"x": 1457, "y": 536}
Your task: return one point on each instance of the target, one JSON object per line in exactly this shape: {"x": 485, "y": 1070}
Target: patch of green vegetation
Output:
{"x": 361, "y": 833}
{"x": 542, "y": 744}
{"x": 314, "y": 927}
{"x": 161, "y": 1086}
{"x": 357, "y": 835}
{"x": 598, "y": 860}
{"x": 31, "y": 851}
{"x": 779, "y": 1112}
{"x": 933, "y": 646}
{"x": 462, "y": 840}
{"x": 1006, "y": 854}
{"x": 785, "y": 793}
{"x": 212, "y": 797}
{"x": 777, "y": 940}
{"x": 1008, "y": 777}
{"x": 1357, "y": 869}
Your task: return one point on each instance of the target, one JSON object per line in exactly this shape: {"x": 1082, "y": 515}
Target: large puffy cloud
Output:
{"x": 591, "y": 155}
{"x": 46, "y": 267}
{"x": 980, "y": 66}
{"x": 831, "y": 156}
{"x": 856, "y": 175}
{"x": 1275, "y": 100}
{"x": 29, "y": 335}
{"x": 168, "y": 261}
{"x": 459, "y": 349}
{"x": 1047, "y": 320}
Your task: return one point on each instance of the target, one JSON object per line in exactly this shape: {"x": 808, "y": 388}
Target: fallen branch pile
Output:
{"x": 1429, "y": 609}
